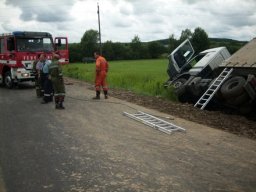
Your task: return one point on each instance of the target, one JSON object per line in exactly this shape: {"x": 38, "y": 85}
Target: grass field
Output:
{"x": 145, "y": 77}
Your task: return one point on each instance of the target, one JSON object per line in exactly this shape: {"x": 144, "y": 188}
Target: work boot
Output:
{"x": 42, "y": 93}
{"x": 38, "y": 93}
{"x": 106, "y": 94}
{"x": 56, "y": 99}
{"x": 57, "y": 106}
{"x": 61, "y": 106}
{"x": 44, "y": 101}
{"x": 97, "y": 95}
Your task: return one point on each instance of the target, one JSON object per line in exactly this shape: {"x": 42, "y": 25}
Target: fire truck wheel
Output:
{"x": 8, "y": 80}
{"x": 233, "y": 87}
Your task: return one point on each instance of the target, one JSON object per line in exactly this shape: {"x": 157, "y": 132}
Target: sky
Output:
{"x": 122, "y": 20}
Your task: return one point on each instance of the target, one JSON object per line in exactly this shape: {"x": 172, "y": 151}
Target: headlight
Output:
{"x": 25, "y": 74}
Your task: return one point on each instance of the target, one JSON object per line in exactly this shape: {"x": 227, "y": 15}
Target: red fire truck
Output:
{"x": 19, "y": 49}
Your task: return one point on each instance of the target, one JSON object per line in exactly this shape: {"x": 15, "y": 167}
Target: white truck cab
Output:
{"x": 211, "y": 58}
{"x": 183, "y": 60}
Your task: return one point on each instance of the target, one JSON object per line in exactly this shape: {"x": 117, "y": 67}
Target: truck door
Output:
{"x": 181, "y": 55}
{"x": 61, "y": 45}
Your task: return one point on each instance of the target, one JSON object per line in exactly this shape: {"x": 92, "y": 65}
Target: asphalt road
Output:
{"x": 91, "y": 146}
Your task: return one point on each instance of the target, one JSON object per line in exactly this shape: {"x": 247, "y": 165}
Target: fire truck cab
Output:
{"x": 19, "y": 49}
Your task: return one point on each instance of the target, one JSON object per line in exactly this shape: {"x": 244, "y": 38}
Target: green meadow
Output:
{"x": 145, "y": 77}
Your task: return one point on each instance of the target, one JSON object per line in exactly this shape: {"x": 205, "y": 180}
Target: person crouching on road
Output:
{"x": 46, "y": 82}
{"x": 55, "y": 74}
{"x": 101, "y": 75}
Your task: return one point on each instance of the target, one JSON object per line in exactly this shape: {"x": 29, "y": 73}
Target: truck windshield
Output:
{"x": 34, "y": 44}
{"x": 196, "y": 59}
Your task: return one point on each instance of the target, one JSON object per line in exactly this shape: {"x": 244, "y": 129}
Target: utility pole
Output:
{"x": 98, "y": 11}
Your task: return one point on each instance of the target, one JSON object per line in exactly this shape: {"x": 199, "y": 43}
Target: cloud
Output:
{"x": 121, "y": 20}
{"x": 42, "y": 11}
{"x": 192, "y": 1}
{"x": 231, "y": 19}
{"x": 125, "y": 8}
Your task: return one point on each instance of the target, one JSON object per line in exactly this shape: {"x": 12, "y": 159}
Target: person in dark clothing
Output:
{"x": 55, "y": 75}
{"x": 45, "y": 81}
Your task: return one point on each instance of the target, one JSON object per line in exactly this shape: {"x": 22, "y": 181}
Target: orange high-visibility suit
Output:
{"x": 101, "y": 74}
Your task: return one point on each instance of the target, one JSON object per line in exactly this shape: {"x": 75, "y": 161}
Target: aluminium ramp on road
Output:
{"x": 154, "y": 122}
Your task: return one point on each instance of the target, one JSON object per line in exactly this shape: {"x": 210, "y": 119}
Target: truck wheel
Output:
{"x": 8, "y": 80}
{"x": 233, "y": 87}
{"x": 180, "y": 90}
{"x": 182, "y": 95}
{"x": 178, "y": 83}
{"x": 246, "y": 108}
{"x": 239, "y": 100}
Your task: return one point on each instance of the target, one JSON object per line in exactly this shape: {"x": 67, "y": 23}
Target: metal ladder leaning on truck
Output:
{"x": 192, "y": 75}
{"x": 19, "y": 49}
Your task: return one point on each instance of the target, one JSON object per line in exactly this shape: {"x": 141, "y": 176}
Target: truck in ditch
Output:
{"x": 19, "y": 49}
{"x": 214, "y": 77}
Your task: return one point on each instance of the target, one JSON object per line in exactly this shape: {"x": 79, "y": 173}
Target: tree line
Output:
{"x": 136, "y": 49}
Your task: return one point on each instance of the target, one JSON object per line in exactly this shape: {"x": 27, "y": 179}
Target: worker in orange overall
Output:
{"x": 101, "y": 75}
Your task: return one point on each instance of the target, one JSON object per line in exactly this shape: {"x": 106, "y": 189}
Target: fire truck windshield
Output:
{"x": 34, "y": 44}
